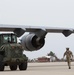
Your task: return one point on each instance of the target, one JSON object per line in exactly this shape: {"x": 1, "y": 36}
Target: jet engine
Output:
{"x": 32, "y": 42}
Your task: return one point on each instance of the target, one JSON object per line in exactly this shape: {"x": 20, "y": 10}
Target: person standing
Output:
{"x": 69, "y": 56}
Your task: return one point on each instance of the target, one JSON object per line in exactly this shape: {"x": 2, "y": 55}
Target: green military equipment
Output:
{"x": 11, "y": 53}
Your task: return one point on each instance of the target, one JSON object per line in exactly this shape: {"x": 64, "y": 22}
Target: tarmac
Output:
{"x": 49, "y": 68}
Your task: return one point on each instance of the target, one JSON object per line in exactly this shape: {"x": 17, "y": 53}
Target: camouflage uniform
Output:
{"x": 68, "y": 55}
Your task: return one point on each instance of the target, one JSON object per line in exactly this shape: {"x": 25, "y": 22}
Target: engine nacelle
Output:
{"x": 31, "y": 42}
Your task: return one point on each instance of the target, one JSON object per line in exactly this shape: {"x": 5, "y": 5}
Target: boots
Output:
{"x": 69, "y": 67}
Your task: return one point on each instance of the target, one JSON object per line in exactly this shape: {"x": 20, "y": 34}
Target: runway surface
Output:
{"x": 51, "y": 68}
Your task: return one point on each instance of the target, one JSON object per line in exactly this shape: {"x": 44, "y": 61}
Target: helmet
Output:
{"x": 67, "y": 48}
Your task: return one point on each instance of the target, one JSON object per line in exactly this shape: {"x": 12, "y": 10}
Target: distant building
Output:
{"x": 44, "y": 59}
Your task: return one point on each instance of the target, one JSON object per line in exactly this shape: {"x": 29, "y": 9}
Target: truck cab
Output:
{"x": 7, "y": 38}
{"x": 11, "y": 52}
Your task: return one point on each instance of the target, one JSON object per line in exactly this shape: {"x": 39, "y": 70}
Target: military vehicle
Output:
{"x": 11, "y": 53}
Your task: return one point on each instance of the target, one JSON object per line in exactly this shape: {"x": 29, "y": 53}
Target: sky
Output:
{"x": 51, "y": 13}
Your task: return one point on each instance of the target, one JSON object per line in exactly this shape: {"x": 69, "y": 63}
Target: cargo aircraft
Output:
{"x": 36, "y": 37}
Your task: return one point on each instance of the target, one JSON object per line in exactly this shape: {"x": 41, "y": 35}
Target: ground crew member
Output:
{"x": 69, "y": 56}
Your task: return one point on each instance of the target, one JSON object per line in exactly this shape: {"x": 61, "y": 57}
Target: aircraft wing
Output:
{"x": 35, "y": 40}
{"x": 20, "y": 29}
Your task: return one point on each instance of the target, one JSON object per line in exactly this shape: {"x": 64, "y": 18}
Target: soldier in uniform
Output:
{"x": 69, "y": 56}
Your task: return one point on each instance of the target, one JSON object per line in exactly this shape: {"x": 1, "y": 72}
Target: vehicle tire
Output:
{"x": 13, "y": 67}
{"x": 23, "y": 66}
{"x": 1, "y": 66}
{"x": 1, "y": 63}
